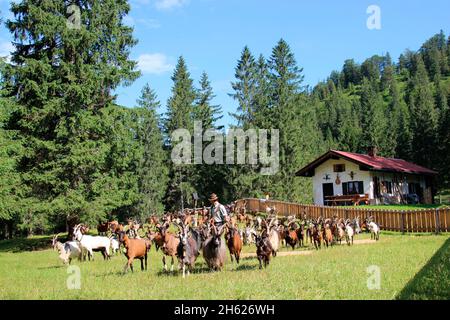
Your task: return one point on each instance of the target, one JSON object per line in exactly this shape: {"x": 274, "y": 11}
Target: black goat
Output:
{"x": 189, "y": 248}
{"x": 263, "y": 249}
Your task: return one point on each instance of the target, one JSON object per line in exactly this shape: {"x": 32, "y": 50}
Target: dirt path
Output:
{"x": 307, "y": 252}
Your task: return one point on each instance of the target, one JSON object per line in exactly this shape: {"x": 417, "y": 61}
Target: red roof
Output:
{"x": 373, "y": 163}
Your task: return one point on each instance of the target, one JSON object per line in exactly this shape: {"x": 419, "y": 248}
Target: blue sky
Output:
{"x": 211, "y": 34}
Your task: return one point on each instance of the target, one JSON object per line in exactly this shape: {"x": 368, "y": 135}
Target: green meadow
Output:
{"x": 410, "y": 267}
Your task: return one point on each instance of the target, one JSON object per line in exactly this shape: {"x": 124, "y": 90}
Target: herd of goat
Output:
{"x": 196, "y": 234}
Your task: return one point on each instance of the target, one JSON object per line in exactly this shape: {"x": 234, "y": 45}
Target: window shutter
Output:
{"x": 345, "y": 188}
{"x": 360, "y": 187}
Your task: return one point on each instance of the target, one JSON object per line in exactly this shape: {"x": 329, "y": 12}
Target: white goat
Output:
{"x": 91, "y": 243}
{"x": 68, "y": 250}
{"x": 247, "y": 235}
{"x": 357, "y": 226}
{"x": 274, "y": 238}
{"x": 374, "y": 231}
{"x": 115, "y": 245}
{"x": 349, "y": 233}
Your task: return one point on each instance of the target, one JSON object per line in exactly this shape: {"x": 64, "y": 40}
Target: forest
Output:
{"x": 68, "y": 151}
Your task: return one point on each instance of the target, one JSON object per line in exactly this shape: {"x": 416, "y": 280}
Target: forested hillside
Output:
{"x": 68, "y": 152}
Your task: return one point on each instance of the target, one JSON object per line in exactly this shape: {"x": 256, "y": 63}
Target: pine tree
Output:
{"x": 242, "y": 177}
{"x": 351, "y": 73}
{"x": 261, "y": 105}
{"x": 388, "y": 73}
{"x": 180, "y": 108}
{"x": 444, "y": 148}
{"x": 295, "y": 120}
{"x": 62, "y": 77}
{"x": 152, "y": 169}
{"x": 10, "y": 182}
{"x": 244, "y": 88}
{"x": 204, "y": 111}
{"x": 208, "y": 177}
{"x": 398, "y": 131}
{"x": 373, "y": 121}
{"x": 423, "y": 115}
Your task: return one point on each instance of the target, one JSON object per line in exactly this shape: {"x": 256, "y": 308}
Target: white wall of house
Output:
{"x": 327, "y": 168}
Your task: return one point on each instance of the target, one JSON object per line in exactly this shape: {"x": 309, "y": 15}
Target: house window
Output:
{"x": 339, "y": 168}
{"x": 387, "y": 186}
{"x": 414, "y": 188}
{"x": 353, "y": 187}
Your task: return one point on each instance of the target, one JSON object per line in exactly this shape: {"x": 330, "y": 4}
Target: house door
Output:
{"x": 327, "y": 190}
{"x": 376, "y": 188}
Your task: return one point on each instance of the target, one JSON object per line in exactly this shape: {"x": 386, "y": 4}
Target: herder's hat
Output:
{"x": 213, "y": 197}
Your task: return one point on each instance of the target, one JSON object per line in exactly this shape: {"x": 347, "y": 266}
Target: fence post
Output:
{"x": 438, "y": 224}
{"x": 402, "y": 226}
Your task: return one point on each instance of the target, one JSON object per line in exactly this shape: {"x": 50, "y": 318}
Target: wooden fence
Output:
{"x": 420, "y": 220}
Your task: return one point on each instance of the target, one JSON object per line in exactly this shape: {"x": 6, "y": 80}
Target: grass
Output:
{"x": 443, "y": 197}
{"x": 412, "y": 267}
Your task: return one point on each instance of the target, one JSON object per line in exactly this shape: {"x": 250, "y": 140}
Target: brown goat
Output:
{"x": 153, "y": 220}
{"x": 170, "y": 245}
{"x": 157, "y": 239}
{"x": 316, "y": 236}
{"x": 327, "y": 235}
{"x": 135, "y": 249}
{"x": 102, "y": 228}
{"x": 291, "y": 238}
{"x": 282, "y": 233}
{"x": 300, "y": 235}
{"x": 234, "y": 242}
{"x": 115, "y": 227}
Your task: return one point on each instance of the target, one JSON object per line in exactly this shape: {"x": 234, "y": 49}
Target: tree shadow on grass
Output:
{"x": 244, "y": 267}
{"x": 52, "y": 267}
{"x": 25, "y": 244}
{"x": 432, "y": 282}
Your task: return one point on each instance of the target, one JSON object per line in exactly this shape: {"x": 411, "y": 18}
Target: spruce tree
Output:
{"x": 295, "y": 121}
{"x": 62, "y": 77}
{"x": 10, "y": 183}
{"x": 423, "y": 115}
{"x": 152, "y": 168}
{"x": 208, "y": 177}
{"x": 180, "y": 108}
{"x": 373, "y": 120}
{"x": 243, "y": 176}
{"x": 351, "y": 73}
{"x": 399, "y": 130}
{"x": 244, "y": 88}
{"x": 205, "y": 112}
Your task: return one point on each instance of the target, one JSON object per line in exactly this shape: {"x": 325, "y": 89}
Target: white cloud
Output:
{"x": 147, "y": 23}
{"x": 5, "y": 50}
{"x": 154, "y": 63}
{"x": 169, "y": 4}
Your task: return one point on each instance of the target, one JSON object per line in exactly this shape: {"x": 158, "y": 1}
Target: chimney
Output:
{"x": 372, "y": 151}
